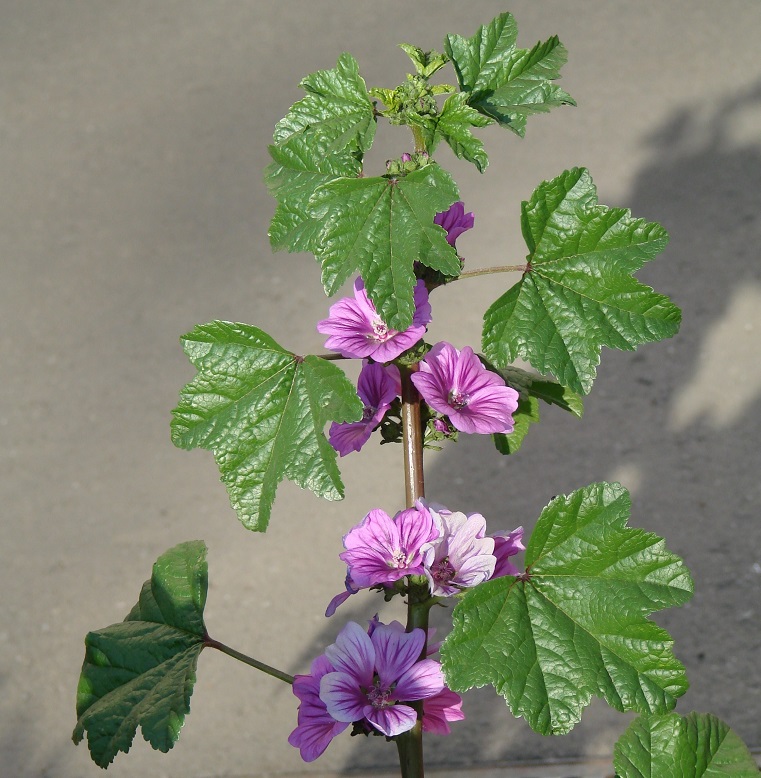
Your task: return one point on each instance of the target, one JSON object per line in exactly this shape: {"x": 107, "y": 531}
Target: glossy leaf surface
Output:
{"x": 578, "y": 293}
{"x": 380, "y": 227}
{"x": 576, "y": 625}
{"x": 262, "y": 410}
{"x": 698, "y": 745}
{"x": 503, "y": 82}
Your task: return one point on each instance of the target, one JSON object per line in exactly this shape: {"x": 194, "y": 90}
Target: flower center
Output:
{"x": 379, "y": 697}
{"x": 442, "y": 571}
{"x": 368, "y": 412}
{"x": 399, "y": 559}
{"x": 381, "y": 331}
{"x": 458, "y": 400}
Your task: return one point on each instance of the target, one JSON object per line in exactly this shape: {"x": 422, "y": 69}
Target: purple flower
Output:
{"x": 357, "y": 331}
{"x": 507, "y": 544}
{"x": 316, "y": 727}
{"x": 375, "y": 675}
{"x": 341, "y": 597}
{"x": 457, "y": 384}
{"x": 455, "y": 221}
{"x": 440, "y": 709}
{"x": 461, "y": 557}
{"x": 382, "y": 550}
{"x": 377, "y": 387}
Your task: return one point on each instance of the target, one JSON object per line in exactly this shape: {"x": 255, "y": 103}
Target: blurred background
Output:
{"x": 133, "y": 136}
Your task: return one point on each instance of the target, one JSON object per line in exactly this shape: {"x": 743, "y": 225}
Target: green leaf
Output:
{"x": 426, "y": 62}
{"x": 524, "y": 416}
{"x": 575, "y": 624}
{"x": 695, "y": 746}
{"x": 453, "y": 125}
{"x": 141, "y": 672}
{"x": 337, "y": 109}
{"x": 503, "y": 82}
{"x": 531, "y": 385}
{"x": 300, "y": 166}
{"x": 323, "y": 137}
{"x": 577, "y": 293}
{"x": 380, "y": 227}
{"x": 261, "y": 410}
{"x": 531, "y": 388}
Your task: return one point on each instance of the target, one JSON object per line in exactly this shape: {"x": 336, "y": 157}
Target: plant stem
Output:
{"x": 417, "y": 134}
{"x": 485, "y": 271}
{"x": 412, "y": 439}
{"x": 211, "y": 643}
{"x": 410, "y": 743}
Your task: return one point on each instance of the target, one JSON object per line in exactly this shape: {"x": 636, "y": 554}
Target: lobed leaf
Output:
{"x": 503, "y": 82}
{"x": 575, "y": 625}
{"x": 322, "y": 137}
{"x": 380, "y": 227}
{"x": 577, "y": 293}
{"x": 337, "y": 109}
{"x": 695, "y": 746}
{"x": 141, "y": 672}
{"x": 453, "y": 125}
{"x": 261, "y": 411}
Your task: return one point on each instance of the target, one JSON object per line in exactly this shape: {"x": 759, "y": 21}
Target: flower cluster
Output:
{"x": 367, "y": 678}
{"x": 451, "y": 549}
{"x": 454, "y": 384}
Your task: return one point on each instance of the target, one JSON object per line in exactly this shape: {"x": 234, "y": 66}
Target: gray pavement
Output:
{"x": 133, "y": 136}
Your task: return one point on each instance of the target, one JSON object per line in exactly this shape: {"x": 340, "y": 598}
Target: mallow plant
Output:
{"x": 549, "y": 620}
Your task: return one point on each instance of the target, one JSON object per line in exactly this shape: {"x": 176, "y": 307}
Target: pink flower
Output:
{"x": 316, "y": 727}
{"x": 378, "y": 386}
{"x": 507, "y": 544}
{"x": 458, "y": 385}
{"x": 455, "y": 221}
{"x": 376, "y": 675}
{"x": 461, "y": 557}
{"x": 357, "y": 331}
{"x": 382, "y": 550}
{"x": 440, "y": 709}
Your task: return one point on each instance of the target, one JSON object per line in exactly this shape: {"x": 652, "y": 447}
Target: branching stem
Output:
{"x": 211, "y": 643}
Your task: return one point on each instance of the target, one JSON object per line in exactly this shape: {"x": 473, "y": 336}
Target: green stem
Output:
{"x": 410, "y": 743}
{"x": 485, "y": 271}
{"x": 211, "y": 643}
{"x": 417, "y": 134}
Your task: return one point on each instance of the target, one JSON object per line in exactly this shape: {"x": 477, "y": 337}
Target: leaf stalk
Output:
{"x": 275, "y": 673}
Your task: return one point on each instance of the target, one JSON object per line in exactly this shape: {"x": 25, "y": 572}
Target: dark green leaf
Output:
{"x": 300, "y": 166}
{"x": 323, "y": 137}
{"x": 503, "y": 82}
{"x": 337, "y": 109}
{"x": 261, "y": 410}
{"x": 577, "y": 293}
{"x": 575, "y": 626}
{"x": 531, "y": 388}
{"x": 453, "y": 125}
{"x": 525, "y": 415}
{"x": 141, "y": 672}
{"x": 380, "y": 227}
{"x": 695, "y": 746}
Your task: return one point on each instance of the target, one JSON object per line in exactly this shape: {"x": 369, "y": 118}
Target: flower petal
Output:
{"x": 353, "y": 653}
{"x": 395, "y": 652}
{"x": 342, "y": 697}
{"x": 423, "y": 679}
{"x": 392, "y": 720}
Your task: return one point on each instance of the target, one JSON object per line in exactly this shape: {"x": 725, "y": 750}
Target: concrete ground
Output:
{"x": 133, "y": 135}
